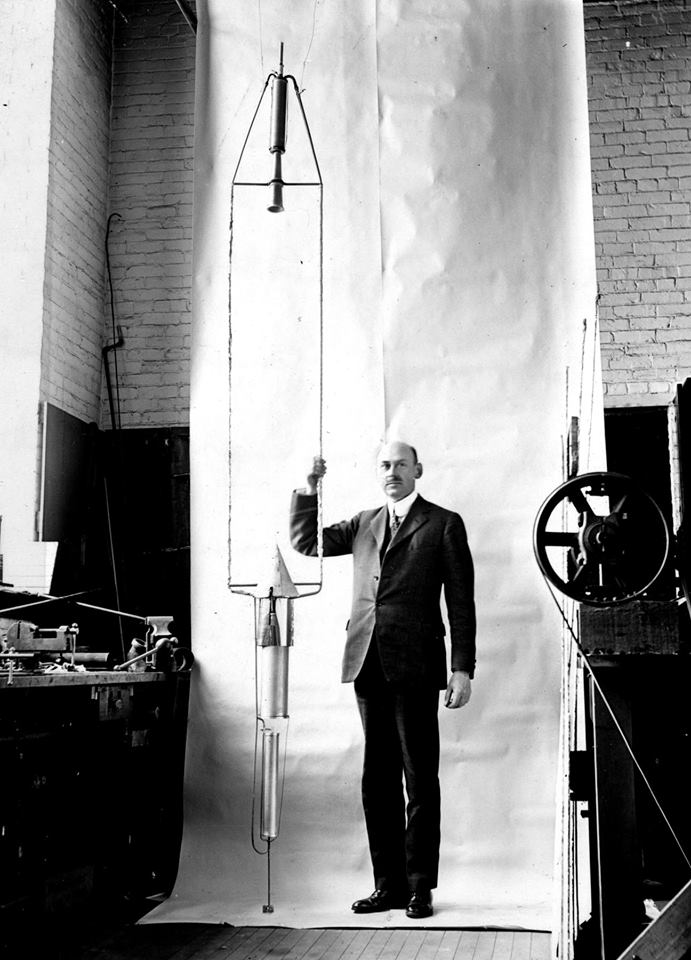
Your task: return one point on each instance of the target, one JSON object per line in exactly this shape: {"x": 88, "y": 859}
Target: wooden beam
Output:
{"x": 669, "y": 936}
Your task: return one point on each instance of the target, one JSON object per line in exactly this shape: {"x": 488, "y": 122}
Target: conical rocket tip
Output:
{"x": 278, "y": 582}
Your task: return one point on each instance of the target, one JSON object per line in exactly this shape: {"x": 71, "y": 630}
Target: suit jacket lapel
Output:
{"x": 417, "y": 515}
{"x": 378, "y": 527}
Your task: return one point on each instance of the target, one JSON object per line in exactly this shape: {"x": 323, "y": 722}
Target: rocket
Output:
{"x": 274, "y": 638}
{"x": 274, "y": 596}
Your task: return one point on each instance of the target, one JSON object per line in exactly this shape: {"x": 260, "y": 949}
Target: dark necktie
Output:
{"x": 390, "y": 530}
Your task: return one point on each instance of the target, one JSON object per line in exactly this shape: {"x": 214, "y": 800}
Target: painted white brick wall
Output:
{"x": 76, "y": 211}
{"x": 151, "y": 189}
{"x": 639, "y": 69}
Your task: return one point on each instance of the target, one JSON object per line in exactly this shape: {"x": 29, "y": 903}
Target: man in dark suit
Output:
{"x": 404, "y": 553}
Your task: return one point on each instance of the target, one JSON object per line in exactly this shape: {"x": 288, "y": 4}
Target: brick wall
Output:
{"x": 151, "y": 190}
{"x": 639, "y": 68}
{"x": 76, "y": 209}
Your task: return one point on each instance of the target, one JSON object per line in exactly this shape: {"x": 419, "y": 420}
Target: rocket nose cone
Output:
{"x": 277, "y": 582}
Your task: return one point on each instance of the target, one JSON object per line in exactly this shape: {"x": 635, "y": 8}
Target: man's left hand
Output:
{"x": 458, "y": 690}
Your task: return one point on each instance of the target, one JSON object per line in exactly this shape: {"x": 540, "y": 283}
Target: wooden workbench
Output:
{"x": 90, "y": 809}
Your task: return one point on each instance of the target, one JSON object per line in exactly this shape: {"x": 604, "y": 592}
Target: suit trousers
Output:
{"x": 401, "y": 730}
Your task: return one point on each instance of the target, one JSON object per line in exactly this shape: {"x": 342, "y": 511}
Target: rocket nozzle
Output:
{"x": 276, "y": 185}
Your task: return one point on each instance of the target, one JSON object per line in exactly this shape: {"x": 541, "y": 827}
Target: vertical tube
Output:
{"x": 274, "y": 682}
{"x": 276, "y": 186}
{"x": 268, "y": 827}
{"x": 277, "y": 139}
{"x": 274, "y": 636}
{"x": 279, "y": 104}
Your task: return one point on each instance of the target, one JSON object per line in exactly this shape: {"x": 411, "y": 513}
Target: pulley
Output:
{"x": 600, "y": 539}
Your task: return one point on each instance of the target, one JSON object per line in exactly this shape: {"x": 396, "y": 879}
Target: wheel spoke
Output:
{"x": 610, "y": 543}
{"x": 580, "y": 502}
{"x": 620, "y": 506}
{"x": 560, "y": 538}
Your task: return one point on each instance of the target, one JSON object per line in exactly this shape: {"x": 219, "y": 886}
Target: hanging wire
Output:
{"x": 188, "y": 12}
{"x": 596, "y": 345}
{"x": 622, "y": 734}
{"x": 117, "y": 10}
{"x": 320, "y": 499}
{"x": 582, "y": 377}
{"x": 309, "y": 47}
{"x": 258, "y": 722}
{"x": 240, "y": 588}
{"x": 116, "y": 587}
{"x": 117, "y": 340}
{"x": 568, "y": 846}
{"x": 261, "y": 37}
{"x": 574, "y": 675}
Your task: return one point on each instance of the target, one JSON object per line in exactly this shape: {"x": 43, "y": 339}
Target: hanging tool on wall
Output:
{"x": 274, "y": 596}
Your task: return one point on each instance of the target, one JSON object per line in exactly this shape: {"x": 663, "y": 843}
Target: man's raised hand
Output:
{"x": 314, "y": 476}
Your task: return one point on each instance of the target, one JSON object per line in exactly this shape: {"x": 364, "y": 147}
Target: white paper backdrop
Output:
{"x": 453, "y": 142}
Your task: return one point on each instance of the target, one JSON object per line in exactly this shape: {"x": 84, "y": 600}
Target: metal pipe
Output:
{"x": 268, "y": 827}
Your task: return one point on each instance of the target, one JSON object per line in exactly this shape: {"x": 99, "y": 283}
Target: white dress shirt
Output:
{"x": 401, "y": 507}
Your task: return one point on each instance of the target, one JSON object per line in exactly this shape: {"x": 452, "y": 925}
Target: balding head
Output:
{"x": 398, "y": 468}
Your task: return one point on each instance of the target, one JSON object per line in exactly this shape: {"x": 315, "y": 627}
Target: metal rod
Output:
{"x": 189, "y": 14}
{"x": 266, "y": 183}
{"x": 268, "y": 906}
{"x": 301, "y": 583}
{"x": 117, "y": 613}
{"x": 39, "y": 603}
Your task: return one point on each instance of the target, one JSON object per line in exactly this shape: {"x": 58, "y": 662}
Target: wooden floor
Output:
{"x": 202, "y": 942}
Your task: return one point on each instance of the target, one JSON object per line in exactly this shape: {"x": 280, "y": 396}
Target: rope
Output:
{"x": 320, "y": 500}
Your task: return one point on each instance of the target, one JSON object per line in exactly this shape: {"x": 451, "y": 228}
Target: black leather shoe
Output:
{"x": 378, "y": 901}
{"x": 419, "y": 905}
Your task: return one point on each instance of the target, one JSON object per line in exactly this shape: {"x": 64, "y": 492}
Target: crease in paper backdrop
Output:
{"x": 458, "y": 271}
